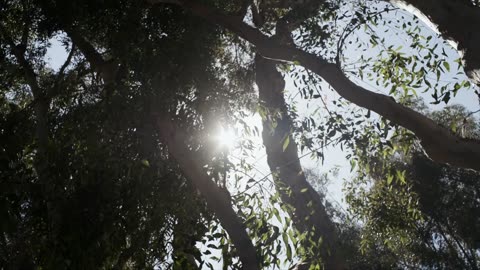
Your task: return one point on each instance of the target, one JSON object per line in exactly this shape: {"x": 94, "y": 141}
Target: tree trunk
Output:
{"x": 308, "y": 214}
{"x": 457, "y": 20}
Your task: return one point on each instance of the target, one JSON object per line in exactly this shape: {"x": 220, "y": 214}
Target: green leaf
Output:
{"x": 456, "y": 87}
{"x": 352, "y": 165}
{"x": 289, "y": 252}
{"x": 447, "y": 66}
{"x": 145, "y": 163}
{"x": 277, "y": 214}
{"x": 389, "y": 179}
{"x": 401, "y": 177}
{"x": 285, "y": 143}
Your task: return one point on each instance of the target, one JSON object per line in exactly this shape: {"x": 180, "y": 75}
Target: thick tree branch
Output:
{"x": 107, "y": 69}
{"x": 439, "y": 143}
{"x": 27, "y": 19}
{"x": 217, "y": 199}
{"x": 41, "y": 103}
{"x": 85, "y": 47}
{"x": 309, "y": 214}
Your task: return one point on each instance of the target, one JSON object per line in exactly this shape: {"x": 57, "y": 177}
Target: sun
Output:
{"x": 226, "y": 138}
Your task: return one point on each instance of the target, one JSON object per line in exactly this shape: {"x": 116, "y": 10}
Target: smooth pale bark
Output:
{"x": 457, "y": 20}
{"x": 308, "y": 214}
{"x": 439, "y": 143}
{"x": 218, "y": 199}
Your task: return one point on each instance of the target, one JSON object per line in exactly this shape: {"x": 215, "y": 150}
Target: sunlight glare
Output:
{"x": 226, "y": 138}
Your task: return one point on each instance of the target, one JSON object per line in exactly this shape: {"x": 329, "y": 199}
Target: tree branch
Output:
{"x": 26, "y": 27}
{"x": 61, "y": 73}
{"x": 67, "y": 61}
{"x": 309, "y": 214}
{"x": 217, "y": 199}
{"x": 107, "y": 69}
{"x": 41, "y": 103}
{"x": 439, "y": 143}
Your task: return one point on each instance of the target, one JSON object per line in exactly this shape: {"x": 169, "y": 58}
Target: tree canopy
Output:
{"x": 113, "y": 160}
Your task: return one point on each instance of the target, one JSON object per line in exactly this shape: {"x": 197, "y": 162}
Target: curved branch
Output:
{"x": 107, "y": 68}
{"x": 439, "y": 143}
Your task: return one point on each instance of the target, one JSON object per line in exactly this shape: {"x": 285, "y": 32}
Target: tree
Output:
{"x": 430, "y": 209}
{"x": 108, "y": 161}
{"x": 437, "y": 141}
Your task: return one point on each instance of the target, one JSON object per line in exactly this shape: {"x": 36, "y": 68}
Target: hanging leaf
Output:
{"x": 285, "y": 143}
{"x": 446, "y": 65}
